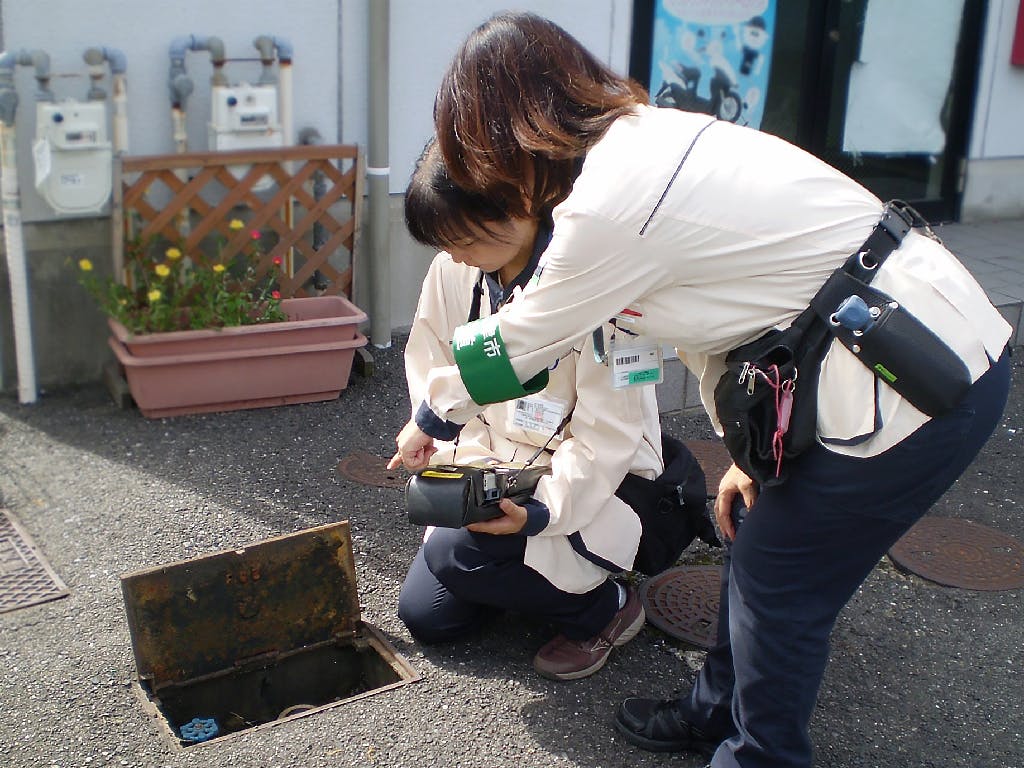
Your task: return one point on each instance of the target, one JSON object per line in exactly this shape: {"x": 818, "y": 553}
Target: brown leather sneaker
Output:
{"x": 565, "y": 659}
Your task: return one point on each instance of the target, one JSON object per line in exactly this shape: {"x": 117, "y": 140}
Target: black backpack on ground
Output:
{"x": 673, "y": 508}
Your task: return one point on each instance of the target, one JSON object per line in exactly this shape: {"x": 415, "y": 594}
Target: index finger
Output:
{"x": 395, "y": 461}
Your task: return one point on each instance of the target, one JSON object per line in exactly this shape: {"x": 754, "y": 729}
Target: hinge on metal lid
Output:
{"x": 346, "y": 636}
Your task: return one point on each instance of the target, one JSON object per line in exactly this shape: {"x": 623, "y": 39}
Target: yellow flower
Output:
{"x": 218, "y": 268}
{"x": 162, "y": 270}
{"x": 154, "y": 295}
{"x": 85, "y": 265}
{"x": 236, "y": 224}
{"x": 173, "y": 254}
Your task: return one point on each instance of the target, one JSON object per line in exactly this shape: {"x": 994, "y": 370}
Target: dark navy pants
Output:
{"x": 799, "y": 555}
{"x": 458, "y": 578}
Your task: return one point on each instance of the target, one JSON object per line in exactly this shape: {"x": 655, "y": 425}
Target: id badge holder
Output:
{"x": 539, "y": 413}
{"x": 635, "y": 361}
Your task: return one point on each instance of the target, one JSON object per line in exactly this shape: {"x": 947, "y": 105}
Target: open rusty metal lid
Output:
{"x": 211, "y": 613}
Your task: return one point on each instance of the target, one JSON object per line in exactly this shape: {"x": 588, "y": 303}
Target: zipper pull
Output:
{"x": 743, "y": 373}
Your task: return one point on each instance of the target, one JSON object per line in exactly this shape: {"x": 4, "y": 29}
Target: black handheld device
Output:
{"x": 455, "y": 495}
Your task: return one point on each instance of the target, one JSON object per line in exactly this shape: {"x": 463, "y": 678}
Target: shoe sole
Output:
{"x": 576, "y": 675}
{"x": 705, "y": 748}
{"x": 627, "y": 634}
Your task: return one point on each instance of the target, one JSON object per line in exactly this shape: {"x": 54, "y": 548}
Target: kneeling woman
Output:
{"x": 553, "y": 556}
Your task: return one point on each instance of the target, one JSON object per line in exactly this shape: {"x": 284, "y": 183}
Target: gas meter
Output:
{"x": 72, "y": 155}
{"x": 245, "y": 117}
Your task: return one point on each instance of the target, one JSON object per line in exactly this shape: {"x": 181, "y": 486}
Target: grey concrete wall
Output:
{"x": 994, "y": 189}
{"x": 69, "y": 333}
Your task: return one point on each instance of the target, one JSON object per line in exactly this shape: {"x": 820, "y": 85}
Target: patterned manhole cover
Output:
{"x": 683, "y": 602}
{"x": 959, "y": 553}
{"x": 368, "y": 469}
{"x": 713, "y": 459}
{"x": 25, "y": 576}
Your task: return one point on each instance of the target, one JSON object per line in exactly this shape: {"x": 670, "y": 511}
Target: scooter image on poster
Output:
{"x": 680, "y": 81}
{"x": 679, "y": 90}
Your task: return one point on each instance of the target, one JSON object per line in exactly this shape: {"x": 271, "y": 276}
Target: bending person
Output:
{"x": 711, "y": 235}
{"x": 553, "y": 556}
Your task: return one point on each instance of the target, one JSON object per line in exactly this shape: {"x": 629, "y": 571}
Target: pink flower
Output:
{"x": 277, "y": 261}
{"x": 275, "y": 294}
{"x": 255, "y": 234}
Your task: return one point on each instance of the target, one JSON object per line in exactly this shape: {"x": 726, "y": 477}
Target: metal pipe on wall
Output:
{"x": 17, "y": 267}
{"x": 267, "y": 45}
{"x": 378, "y": 177}
{"x": 181, "y": 86}
{"x": 95, "y": 58}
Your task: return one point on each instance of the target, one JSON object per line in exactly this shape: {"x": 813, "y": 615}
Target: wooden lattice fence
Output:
{"x": 308, "y": 218}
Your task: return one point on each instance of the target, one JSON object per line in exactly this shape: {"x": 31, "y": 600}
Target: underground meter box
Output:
{"x": 250, "y": 637}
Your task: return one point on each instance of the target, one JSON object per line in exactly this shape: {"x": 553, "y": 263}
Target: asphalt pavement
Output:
{"x": 921, "y": 675}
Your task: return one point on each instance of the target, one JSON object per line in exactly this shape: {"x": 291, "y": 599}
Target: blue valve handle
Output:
{"x": 853, "y": 313}
{"x": 199, "y": 729}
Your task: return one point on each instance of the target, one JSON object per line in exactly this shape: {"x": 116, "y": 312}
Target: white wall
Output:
{"x": 330, "y": 74}
{"x": 994, "y": 187}
{"x": 424, "y": 37}
{"x": 143, "y": 30}
{"x": 999, "y": 111}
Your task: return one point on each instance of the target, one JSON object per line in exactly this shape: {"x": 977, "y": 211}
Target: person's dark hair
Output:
{"x": 440, "y": 214}
{"x": 520, "y": 103}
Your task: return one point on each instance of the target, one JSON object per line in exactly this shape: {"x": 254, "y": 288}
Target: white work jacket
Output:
{"x": 712, "y": 234}
{"x": 611, "y": 432}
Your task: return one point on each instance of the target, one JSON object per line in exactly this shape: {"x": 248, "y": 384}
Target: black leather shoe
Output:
{"x": 657, "y": 725}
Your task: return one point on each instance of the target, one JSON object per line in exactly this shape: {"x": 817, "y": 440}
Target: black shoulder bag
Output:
{"x": 767, "y": 400}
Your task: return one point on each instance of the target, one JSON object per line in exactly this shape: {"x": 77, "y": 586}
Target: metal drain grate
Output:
{"x": 713, "y": 458}
{"x": 368, "y": 469}
{"x": 960, "y": 553}
{"x": 683, "y": 602}
{"x": 25, "y": 576}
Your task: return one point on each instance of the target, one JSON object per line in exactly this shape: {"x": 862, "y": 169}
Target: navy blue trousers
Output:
{"x": 799, "y": 555}
{"x": 459, "y": 578}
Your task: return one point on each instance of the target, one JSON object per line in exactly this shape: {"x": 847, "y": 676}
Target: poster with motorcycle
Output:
{"x": 713, "y": 56}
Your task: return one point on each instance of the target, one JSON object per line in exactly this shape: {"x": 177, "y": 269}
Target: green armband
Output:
{"x": 484, "y": 365}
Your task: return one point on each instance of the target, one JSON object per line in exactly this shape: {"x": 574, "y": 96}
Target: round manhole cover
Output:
{"x": 683, "y": 602}
{"x": 713, "y": 458}
{"x": 368, "y": 469}
{"x": 959, "y": 553}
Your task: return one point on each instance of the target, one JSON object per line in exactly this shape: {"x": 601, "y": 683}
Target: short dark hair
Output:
{"x": 440, "y": 214}
{"x": 521, "y": 101}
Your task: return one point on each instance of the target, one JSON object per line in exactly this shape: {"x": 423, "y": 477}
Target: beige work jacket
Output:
{"x": 611, "y": 432}
{"x": 712, "y": 234}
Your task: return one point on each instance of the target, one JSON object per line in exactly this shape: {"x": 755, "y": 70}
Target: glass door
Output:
{"x": 896, "y": 95}
{"x": 881, "y": 89}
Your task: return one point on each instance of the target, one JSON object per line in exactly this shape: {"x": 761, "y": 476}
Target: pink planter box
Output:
{"x": 256, "y": 366}
{"x": 313, "y": 320}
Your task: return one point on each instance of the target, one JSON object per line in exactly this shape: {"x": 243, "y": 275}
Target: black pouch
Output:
{"x": 767, "y": 399}
{"x": 672, "y": 508}
{"x": 897, "y": 347}
{"x": 455, "y": 495}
